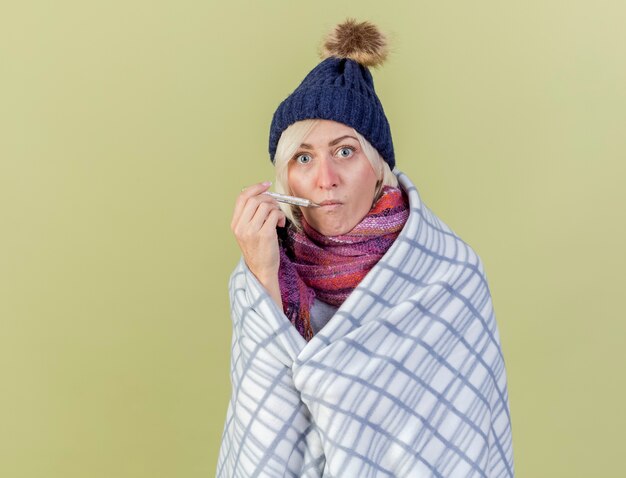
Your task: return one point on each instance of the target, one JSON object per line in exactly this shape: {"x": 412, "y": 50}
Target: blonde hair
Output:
{"x": 288, "y": 144}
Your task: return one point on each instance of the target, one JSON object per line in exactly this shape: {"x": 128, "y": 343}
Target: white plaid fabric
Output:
{"x": 407, "y": 379}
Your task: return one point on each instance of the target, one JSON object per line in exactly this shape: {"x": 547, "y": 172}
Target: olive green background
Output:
{"x": 127, "y": 128}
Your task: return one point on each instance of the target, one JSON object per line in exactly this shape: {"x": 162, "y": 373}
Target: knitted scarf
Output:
{"x": 330, "y": 267}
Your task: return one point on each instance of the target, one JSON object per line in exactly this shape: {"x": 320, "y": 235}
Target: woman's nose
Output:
{"x": 327, "y": 174}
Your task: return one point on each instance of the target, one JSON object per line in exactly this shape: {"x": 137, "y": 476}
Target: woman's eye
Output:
{"x": 345, "y": 152}
{"x": 303, "y": 158}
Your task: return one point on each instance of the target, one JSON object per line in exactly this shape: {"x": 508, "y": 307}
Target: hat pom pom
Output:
{"x": 361, "y": 42}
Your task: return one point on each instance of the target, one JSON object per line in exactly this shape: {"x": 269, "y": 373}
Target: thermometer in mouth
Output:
{"x": 291, "y": 199}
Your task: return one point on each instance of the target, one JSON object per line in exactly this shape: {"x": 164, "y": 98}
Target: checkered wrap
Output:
{"x": 407, "y": 379}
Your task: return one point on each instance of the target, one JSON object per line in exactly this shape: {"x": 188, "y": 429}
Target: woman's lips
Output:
{"x": 330, "y": 203}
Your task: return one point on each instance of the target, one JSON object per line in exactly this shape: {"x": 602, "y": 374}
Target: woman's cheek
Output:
{"x": 297, "y": 184}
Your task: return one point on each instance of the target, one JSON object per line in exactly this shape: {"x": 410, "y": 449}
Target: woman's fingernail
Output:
{"x": 266, "y": 183}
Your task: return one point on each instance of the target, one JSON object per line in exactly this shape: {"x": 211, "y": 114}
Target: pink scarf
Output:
{"x": 330, "y": 267}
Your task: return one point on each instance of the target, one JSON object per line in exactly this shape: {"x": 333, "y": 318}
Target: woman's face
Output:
{"x": 331, "y": 169}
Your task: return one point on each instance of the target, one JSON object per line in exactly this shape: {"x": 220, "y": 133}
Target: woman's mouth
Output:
{"x": 330, "y": 203}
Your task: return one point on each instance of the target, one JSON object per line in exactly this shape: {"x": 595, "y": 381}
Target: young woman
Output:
{"x": 364, "y": 338}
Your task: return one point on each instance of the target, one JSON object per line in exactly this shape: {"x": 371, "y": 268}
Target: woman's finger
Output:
{"x": 262, "y": 213}
{"x": 274, "y": 218}
{"x": 247, "y": 193}
{"x": 255, "y": 207}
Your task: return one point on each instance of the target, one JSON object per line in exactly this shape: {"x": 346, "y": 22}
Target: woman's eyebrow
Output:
{"x": 332, "y": 143}
{"x": 335, "y": 141}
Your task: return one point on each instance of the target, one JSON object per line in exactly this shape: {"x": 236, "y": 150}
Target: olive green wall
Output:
{"x": 127, "y": 128}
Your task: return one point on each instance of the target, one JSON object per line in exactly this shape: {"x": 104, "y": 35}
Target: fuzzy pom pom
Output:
{"x": 362, "y": 42}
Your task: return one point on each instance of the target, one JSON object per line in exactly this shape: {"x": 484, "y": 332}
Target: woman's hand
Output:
{"x": 254, "y": 223}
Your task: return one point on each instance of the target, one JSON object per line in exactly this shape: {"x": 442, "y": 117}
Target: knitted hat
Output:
{"x": 341, "y": 88}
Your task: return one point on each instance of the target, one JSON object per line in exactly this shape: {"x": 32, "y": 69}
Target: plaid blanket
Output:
{"x": 407, "y": 379}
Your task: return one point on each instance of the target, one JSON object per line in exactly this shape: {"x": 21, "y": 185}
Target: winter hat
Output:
{"x": 341, "y": 88}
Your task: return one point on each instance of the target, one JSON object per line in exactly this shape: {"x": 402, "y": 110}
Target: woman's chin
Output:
{"x": 330, "y": 223}
{"x": 327, "y": 229}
